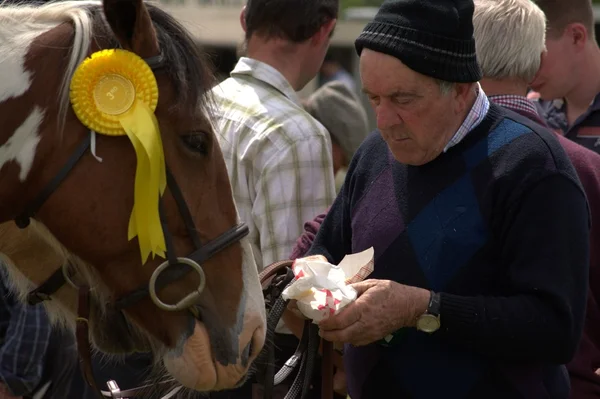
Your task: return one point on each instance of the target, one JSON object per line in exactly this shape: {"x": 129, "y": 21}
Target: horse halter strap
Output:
{"x": 173, "y": 269}
{"x": 274, "y": 279}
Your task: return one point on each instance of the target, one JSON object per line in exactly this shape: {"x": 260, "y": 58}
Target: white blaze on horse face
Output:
{"x": 21, "y": 146}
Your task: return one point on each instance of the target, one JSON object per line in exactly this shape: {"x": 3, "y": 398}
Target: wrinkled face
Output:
{"x": 414, "y": 117}
{"x": 555, "y": 78}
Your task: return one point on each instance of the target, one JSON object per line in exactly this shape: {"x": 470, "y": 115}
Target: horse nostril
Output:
{"x": 246, "y": 353}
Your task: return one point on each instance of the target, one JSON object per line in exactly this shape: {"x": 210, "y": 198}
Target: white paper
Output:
{"x": 321, "y": 289}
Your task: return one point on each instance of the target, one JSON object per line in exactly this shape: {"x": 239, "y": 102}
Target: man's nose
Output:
{"x": 386, "y": 117}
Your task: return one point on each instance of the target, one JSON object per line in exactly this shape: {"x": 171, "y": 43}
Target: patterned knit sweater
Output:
{"x": 499, "y": 225}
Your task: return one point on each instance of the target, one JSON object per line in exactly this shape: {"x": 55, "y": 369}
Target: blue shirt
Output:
{"x": 584, "y": 131}
{"x": 24, "y": 337}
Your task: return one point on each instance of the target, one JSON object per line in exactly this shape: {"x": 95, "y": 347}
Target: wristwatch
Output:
{"x": 429, "y": 321}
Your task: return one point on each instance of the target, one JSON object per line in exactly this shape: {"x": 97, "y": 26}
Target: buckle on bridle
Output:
{"x": 276, "y": 287}
{"x": 35, "y": 297}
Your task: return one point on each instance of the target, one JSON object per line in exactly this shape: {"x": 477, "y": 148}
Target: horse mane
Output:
{"x": 188, "y": 69}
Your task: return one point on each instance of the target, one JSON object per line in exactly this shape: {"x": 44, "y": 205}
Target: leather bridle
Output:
{"x": 173, "y": 269}
{"x": 274, "y": 279}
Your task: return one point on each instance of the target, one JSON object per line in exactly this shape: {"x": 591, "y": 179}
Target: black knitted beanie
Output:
{"x": 432, "y": 37}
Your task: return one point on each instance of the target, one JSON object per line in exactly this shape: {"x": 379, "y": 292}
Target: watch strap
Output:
{"x": 435, "y": 304}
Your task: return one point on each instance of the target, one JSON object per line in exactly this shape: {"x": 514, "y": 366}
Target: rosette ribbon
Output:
{"x": 114, "y": 93}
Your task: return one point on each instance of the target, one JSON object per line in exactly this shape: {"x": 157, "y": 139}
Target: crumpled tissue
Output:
{"x": 321, "y": 289}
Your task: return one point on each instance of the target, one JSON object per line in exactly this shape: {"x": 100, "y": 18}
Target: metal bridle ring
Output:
{"x": 186, "y": 302}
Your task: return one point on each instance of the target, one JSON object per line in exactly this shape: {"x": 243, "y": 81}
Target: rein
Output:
{"x": 274, "y": 279}
{"x": 173, "y": 269}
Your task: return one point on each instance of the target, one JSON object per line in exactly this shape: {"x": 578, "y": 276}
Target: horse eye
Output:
{"x": 197, "y": 142}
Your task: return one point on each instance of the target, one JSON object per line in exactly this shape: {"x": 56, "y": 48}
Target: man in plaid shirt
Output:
{"x": 278, "y": 156}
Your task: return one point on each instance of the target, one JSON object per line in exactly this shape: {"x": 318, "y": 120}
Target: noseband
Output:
{"x": 173, "y": 269}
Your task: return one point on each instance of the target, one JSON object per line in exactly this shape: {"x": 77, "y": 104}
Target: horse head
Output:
{"x": 198, "y": 304}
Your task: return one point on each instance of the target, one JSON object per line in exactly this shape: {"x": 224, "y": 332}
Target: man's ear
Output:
{"x": 243, "y": 19}
{"x": 324, "y": 33}
{"x": 462, "y": 93}
{"x": 542, "y": 63}
{"x": 578, "y": 34}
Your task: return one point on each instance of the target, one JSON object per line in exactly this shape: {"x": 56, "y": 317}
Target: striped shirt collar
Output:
{"x": 515, "y": 102}
{"x": 474, "y": 117}
{"x": 267, "y": 74}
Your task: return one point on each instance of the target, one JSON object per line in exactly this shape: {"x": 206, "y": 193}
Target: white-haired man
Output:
{"x": 510, "y": 36}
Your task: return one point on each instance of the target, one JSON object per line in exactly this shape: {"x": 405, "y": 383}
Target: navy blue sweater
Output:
{"x": 499, "y": 226}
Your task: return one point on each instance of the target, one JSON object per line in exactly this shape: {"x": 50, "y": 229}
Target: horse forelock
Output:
{"x": 187, "y": 67}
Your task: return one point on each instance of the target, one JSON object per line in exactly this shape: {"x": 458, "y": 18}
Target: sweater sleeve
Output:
{"x": 547, "y": 251}
{"x": 334, "y": 238}
{"x": 308, "y": 236}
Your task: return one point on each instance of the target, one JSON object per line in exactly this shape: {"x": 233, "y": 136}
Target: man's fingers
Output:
{"x": 347, "y": 316}
{"x": 362, "y": 286}
{"x": 346, "y": 335}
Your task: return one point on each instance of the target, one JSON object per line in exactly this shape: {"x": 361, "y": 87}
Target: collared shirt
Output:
{"x": 584, "y": 131}
{"x": 24, "y": 337}
{"x": 278, "y": 157}
{"x": 521, "y": 105}
{"x": 474, "y": 118}
{"x": 515, "y": 103}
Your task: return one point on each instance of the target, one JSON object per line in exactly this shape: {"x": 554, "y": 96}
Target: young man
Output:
{"x": 277, "y": 155}
{"x": 508, "y": 66}
{"x": 477, "y": 290}
{"x": 568, "y": 81}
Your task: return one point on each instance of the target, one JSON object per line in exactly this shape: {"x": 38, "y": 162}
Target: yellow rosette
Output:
{"x": 114, "y": 92}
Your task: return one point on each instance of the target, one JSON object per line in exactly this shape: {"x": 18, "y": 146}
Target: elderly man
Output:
{"x": 478, "y": 220}
{"x": 508, "y": 66}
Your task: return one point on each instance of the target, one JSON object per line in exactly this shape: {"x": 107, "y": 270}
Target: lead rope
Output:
{"x": 304, "y": 356}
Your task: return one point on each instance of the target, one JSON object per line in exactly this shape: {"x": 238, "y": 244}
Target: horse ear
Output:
{"x": 132, "y": 25}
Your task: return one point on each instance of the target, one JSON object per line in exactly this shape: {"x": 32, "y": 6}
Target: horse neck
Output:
{"x": 31, "y": 64}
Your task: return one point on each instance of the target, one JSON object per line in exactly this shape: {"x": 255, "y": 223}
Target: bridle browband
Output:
{"x": 173, "y": 269}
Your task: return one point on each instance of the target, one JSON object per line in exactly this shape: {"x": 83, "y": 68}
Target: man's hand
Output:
{"x": 381, "y": 308}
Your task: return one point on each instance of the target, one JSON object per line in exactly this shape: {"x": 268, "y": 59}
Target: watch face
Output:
{"x": 428, "y": 323}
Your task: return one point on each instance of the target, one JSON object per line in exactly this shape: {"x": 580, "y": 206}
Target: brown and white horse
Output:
{"x": 209, "y": 344}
